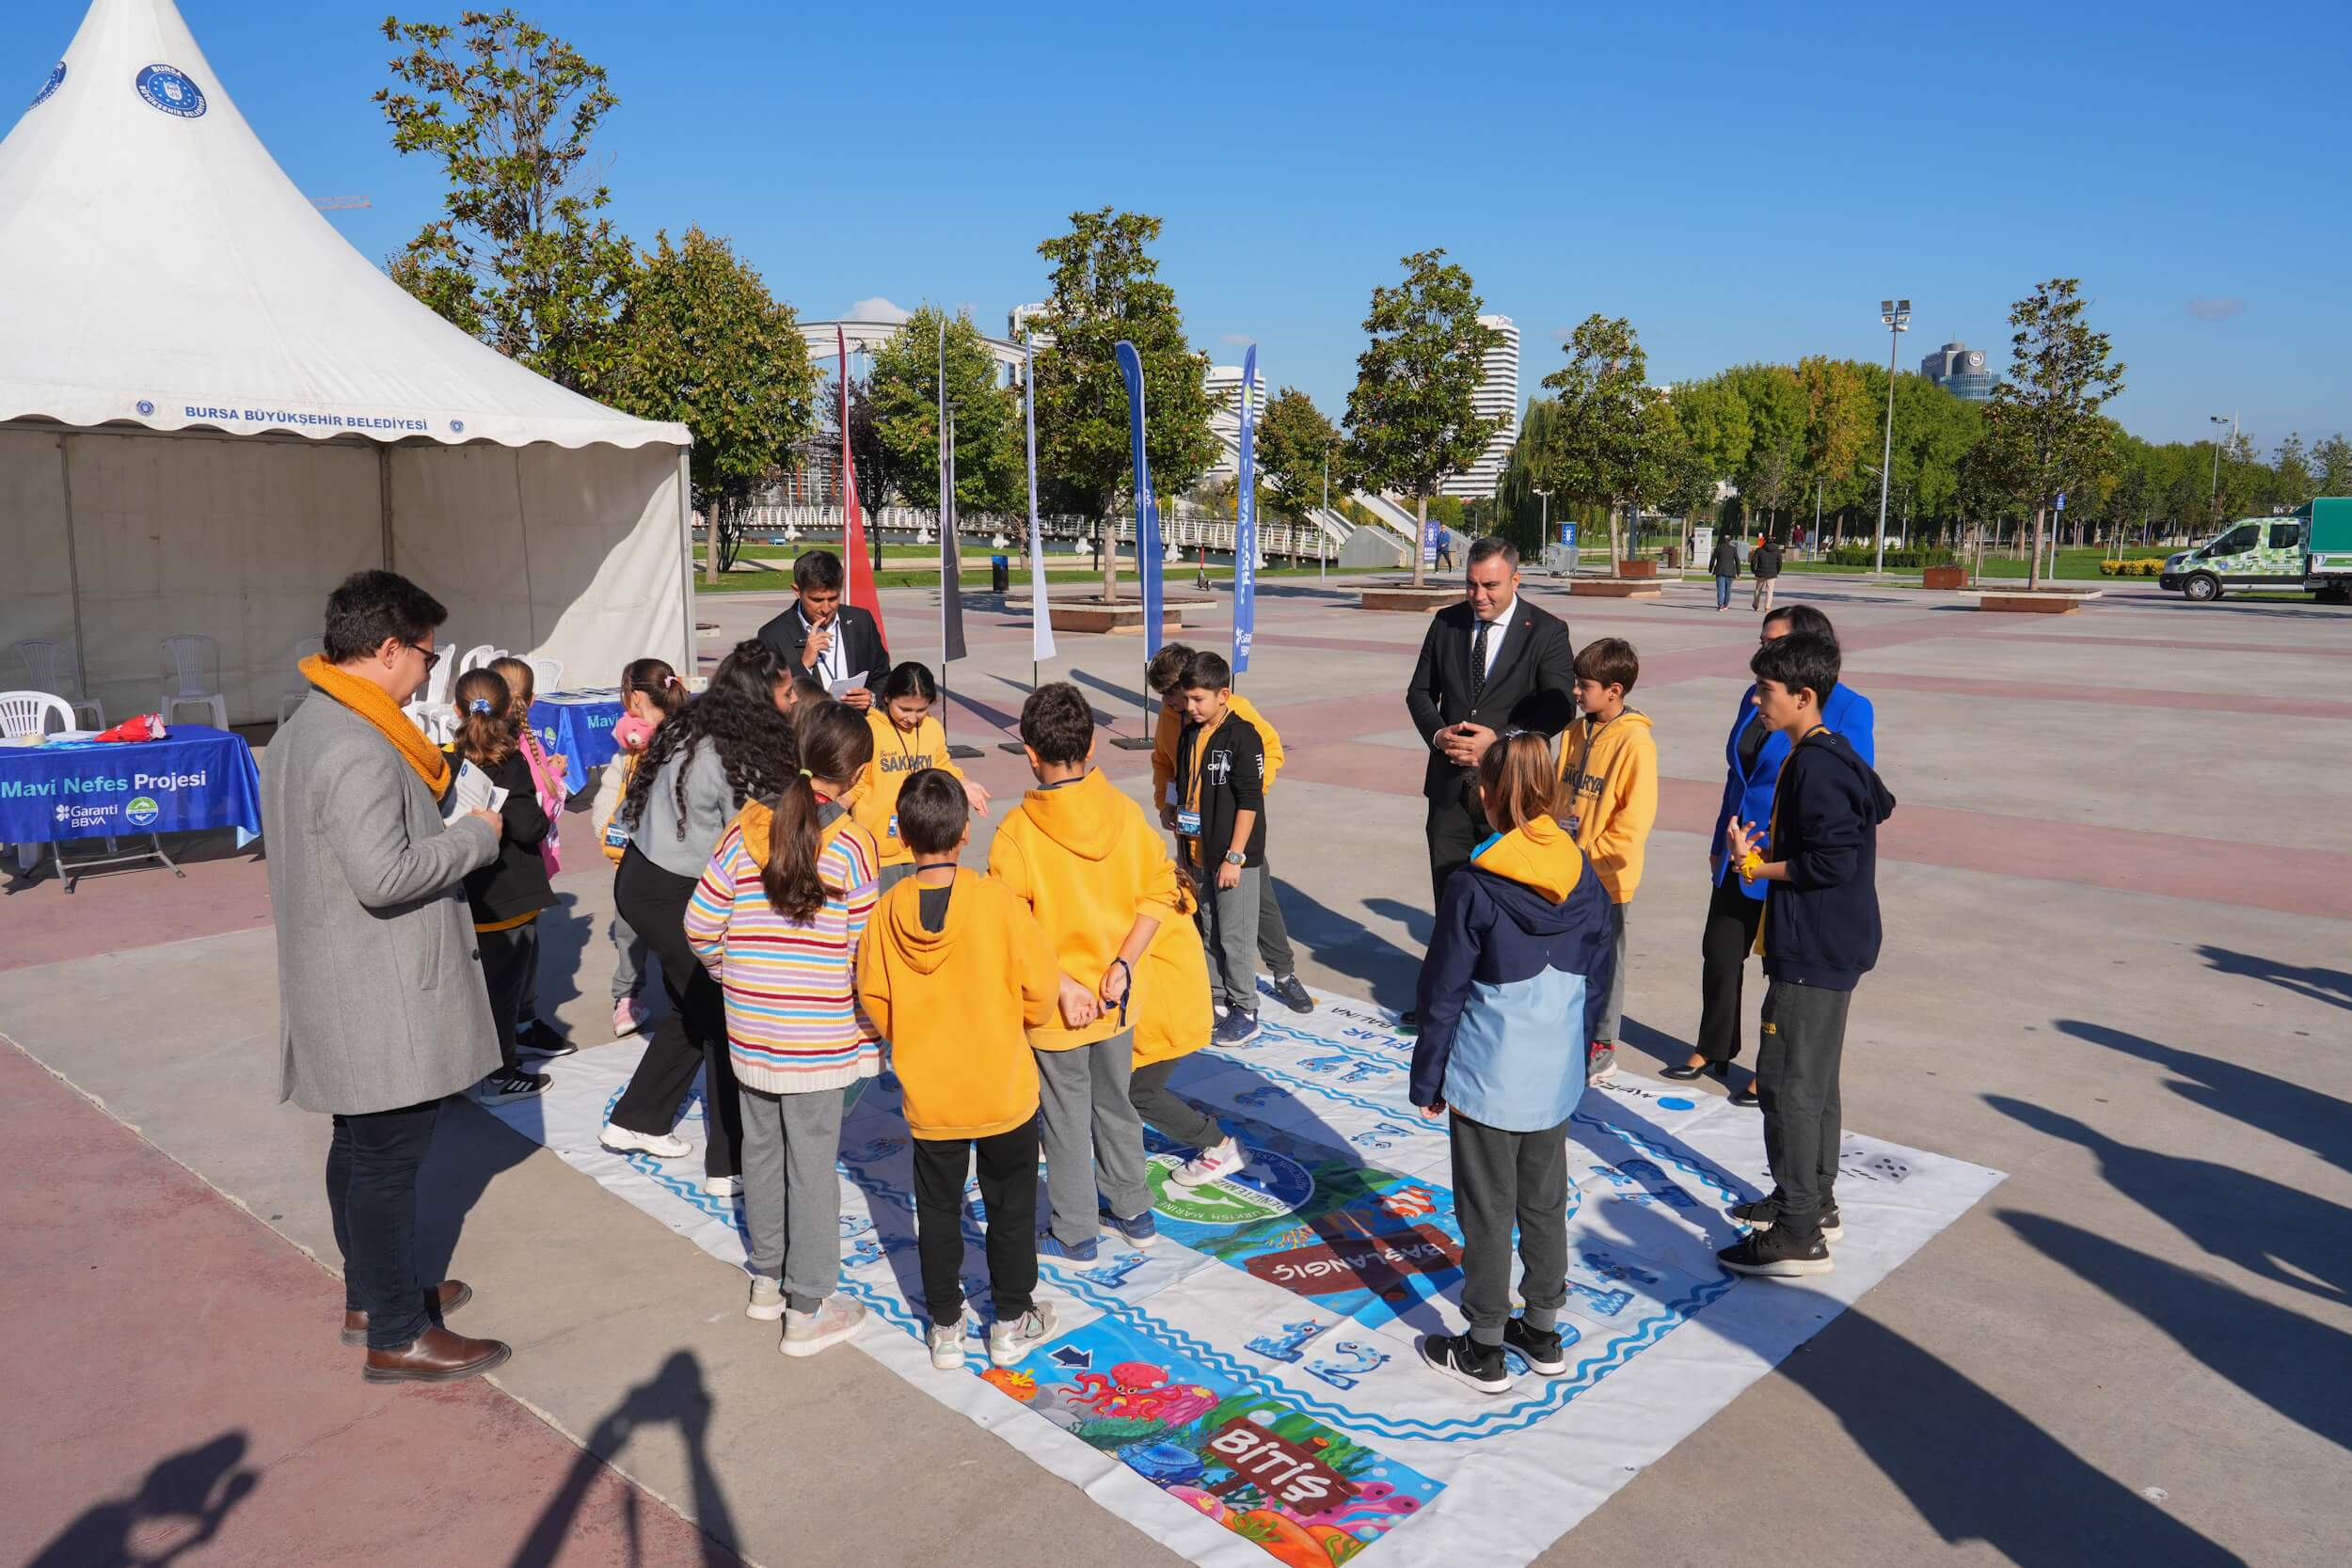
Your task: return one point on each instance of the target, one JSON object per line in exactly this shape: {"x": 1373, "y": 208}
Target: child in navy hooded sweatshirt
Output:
{"x": 1517, "y": 975}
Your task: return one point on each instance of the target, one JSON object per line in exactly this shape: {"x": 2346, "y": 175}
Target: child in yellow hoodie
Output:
{"x": 953, "y": 970}
{"x": 1166, "y": 676}
{"x": 1609, "y": 792}
{"x": 1087, "y": 862}
{"x": 907, "y": 739}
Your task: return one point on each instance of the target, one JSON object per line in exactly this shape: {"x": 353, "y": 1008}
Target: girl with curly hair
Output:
{"x": 726, "y": 747}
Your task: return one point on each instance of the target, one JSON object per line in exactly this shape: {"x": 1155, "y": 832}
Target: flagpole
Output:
{"x": 950, "y": 559}
{"x": 1041, "y": 615}
{"x": 1147, "y": 537}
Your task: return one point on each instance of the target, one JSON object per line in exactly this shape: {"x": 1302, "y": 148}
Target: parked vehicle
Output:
{"x": 2310, "y": 551}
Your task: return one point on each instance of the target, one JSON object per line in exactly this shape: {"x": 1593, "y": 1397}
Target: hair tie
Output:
{"x": 668, "y": 681}
{"x": 480, "y": 704}
{"x": 806, "y": 774}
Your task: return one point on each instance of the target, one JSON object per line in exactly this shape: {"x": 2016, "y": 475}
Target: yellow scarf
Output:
{"x": 369, "y": 702}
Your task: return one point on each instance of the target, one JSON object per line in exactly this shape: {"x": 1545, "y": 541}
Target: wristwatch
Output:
{"x": 1234, "y": 857}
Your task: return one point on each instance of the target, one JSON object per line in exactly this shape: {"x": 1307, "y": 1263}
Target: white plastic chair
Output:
{"x": 28, "y": 713}
{"x": 192, "y": 677}
{"x": 479, "y": 658}
{"x": 546, "y": 674}
{"x": 436, "y": 684}
{"x": 292, "y": 697}
{"x": 50, "y": 667}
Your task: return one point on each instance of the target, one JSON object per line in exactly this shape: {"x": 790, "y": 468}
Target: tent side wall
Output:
{"x": 570, "y": 553}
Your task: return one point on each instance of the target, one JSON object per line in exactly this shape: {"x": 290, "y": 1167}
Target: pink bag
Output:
{"x": 547, "y": 782}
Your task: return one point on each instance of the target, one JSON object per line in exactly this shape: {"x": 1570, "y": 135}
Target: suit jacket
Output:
{"x": 860, "y": 641}
{"x": 380, "y": 997}
{"x": 1533, "y": 685}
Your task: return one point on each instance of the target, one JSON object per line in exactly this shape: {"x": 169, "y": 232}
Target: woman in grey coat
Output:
{"x": 382, "y": 1010}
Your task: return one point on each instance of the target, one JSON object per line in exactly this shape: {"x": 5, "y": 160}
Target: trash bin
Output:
{"x": 999, "y": 575}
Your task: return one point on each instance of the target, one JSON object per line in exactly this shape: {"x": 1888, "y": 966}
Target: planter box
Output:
{"x": 1410, "y": 600}
{"x": 1117, "y": 620}
{"x": 1944, "y": 576}
{"x": 1616, "y": 587}
{"x": 1637, "y": 569}
{"x": 2030, "y": 601}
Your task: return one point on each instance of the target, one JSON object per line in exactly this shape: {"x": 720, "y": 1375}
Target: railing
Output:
{"x": 1182, "y": 526}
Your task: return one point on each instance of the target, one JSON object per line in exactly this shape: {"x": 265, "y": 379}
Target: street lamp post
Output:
{"x": 2213, "y": 494}
{"x": 1322, "y": 571}
{"x": 1896, "y": 314}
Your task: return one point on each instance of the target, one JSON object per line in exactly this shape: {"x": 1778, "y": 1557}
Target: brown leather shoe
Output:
{"x": 443, "y": 1299}
{"x": 436, "y": 1356}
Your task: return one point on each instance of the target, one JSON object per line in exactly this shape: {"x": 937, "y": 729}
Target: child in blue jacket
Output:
{"x": 1517, "y": 975}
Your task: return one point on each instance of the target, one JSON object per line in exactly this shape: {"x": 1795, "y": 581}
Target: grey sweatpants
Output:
{"x": 1797, "y": 1063}
{"x": 791, "y": 1197}
{"x": 1501, "y": 1178}
{"x": 1274, "y": 932}
{"x": 1093, "y": 1137}
{"x": 1177, "y": 1119}
{"x": 1227, "y": 918}
{"x": 1612, "y": 1011}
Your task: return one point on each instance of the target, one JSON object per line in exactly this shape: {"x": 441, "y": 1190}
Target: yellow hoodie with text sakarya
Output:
{"x": 1087, "y": 862}
{"x": 956, "y": 1004}
{"x": 1609, "y": 773}
{"x": 899, "y": 755}
{"x": 1170, "y": 726}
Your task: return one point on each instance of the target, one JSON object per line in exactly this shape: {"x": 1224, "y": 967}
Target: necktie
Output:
{"x": 1478, "y": 663}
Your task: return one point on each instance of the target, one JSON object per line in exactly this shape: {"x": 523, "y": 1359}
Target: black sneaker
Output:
{"x": 1832, "y": 1223}
{"x": 1765, "y": 1212}
{"x": 1539, "y": 1347}
{"x": 504, "y": 1085}
{"x": 1294, "y": 995}
{"x": 1777, "y": 1254}
{"x": 1745, "y": 1095}
{"x": 1465, "y": 1360}
{"x": 540, "y": 1038}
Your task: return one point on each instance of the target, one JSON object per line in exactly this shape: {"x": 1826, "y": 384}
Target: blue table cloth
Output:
{"x": 194, "y": 779}
{"x": 580, "y": 725}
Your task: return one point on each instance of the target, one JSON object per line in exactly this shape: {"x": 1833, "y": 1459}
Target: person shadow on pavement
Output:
{"x": 676, "y": 1395}
{"x": 183, "y": 1502}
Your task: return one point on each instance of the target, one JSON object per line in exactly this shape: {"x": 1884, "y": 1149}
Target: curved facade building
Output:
{"x": 1498, "y": 397}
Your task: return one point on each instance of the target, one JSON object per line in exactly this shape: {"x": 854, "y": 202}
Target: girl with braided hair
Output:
{"x": 726, "y": 747}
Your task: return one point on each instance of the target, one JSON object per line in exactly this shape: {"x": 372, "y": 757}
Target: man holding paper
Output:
{"x": 839, "y": 644}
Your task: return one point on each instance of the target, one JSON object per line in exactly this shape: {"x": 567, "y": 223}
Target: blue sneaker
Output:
{"x": 1140, "y": 1231}
{"x": 1235, "y": 1027}
{"x": 1051, "y": 1245}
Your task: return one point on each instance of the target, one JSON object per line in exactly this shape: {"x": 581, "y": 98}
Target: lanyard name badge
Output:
{"x": 1189, "y": 812}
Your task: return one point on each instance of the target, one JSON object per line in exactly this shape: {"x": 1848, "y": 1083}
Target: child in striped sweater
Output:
{"x": 776, "y": 920}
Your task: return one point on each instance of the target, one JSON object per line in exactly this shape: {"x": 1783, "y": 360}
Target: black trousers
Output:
{"x": 1796, "y": 1065}
{"x": 371, "y": 1164}
{"x": 1458, "y": 825}
{"x": 692, "y": 1034}
{"x": 510, "y": 959}
{"x": 1008, "y": 1176}
{"x": 1725, "y": 943}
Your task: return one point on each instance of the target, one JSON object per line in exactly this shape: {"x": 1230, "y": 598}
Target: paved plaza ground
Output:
{"x": 2118, "y": 896}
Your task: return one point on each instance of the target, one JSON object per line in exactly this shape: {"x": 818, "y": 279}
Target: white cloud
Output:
{"x": 1238, "y": 339}
{"x": 877, "y": 310}
{"x": 2215, "y": 309}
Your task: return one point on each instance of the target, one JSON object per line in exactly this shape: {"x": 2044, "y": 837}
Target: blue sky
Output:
{"x": 1743, "y": 185}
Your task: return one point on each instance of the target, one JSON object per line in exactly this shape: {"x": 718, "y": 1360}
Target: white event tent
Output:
{"x": 213, "y": 408}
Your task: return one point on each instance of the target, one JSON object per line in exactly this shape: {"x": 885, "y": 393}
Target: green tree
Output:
{"x": 2043, "y": 431}
{"x": 1602, "y": 445}
{"x": 1518, "y": 489}
{"x": 1767, "y": 473}
{"x": 1714, "y": 420}
{"x": 520, "y": 258}
{"x": 1412, "y": 419}
{"x": 1295, "y": 447}
{"x": 2332, "y": 458}
{"x": 992, "y": 474}
{"x": 1839, "y": 422}
{"x": 2293, "y": 465}
{"x": 702, "y": 343}
{"x": 1104, "y": 286}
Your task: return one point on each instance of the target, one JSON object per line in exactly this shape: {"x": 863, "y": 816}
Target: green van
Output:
{"x": 2252, "y": 552}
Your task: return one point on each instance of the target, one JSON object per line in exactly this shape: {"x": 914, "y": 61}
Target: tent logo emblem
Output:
{"x": 145, "y": 408}
{"x": 56, "y": 76}
{"x": 142, "y": 812}
{"x": 168, "y": 89}
{"x": 457, "y": 427}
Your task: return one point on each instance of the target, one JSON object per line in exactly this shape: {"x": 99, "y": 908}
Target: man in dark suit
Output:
{"x": 824, "y": 639}
{"x": 1492, "y": 662}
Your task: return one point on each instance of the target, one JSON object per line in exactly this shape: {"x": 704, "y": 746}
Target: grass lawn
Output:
{"x": 2069, "y": 565}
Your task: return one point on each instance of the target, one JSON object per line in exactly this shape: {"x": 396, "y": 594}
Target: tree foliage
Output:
{"x": 702, "y": 343}
{"x": 1603, "y": 447}
{"x": 2043, "y": 431}
{"x": 1412, "y": 418}
{"x": 1104, "y": 286}
{"x": 991, "y": 475}
{"x": 520, "y": 258}
{"x": 1295, "y": 442}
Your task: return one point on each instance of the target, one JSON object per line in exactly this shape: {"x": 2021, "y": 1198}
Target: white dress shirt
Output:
{"x": 828, "y": 667}
{"x": 1496, "y": 630}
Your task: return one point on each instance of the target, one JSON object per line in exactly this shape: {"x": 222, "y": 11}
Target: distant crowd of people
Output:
{"x": 787, "y": 847}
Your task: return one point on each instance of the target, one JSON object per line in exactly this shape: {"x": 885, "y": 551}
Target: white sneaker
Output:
{"x": 946, "y": 1343}
{"x": 723, "y": 1186}
{"x": 767, "y": 1303}
{"x": 1208, "y": 1164}
{"x": 661, "y": 1146}
{"x": 1009, "y": 1342}
{"x": 806, "y": 1333}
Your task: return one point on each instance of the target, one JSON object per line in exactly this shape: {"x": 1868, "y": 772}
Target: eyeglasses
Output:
{"x": 432, "y": 656}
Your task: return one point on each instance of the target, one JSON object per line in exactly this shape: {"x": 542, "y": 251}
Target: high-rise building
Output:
{"x": 1018, "y": 320}
{"x": 1224, "y": 388}
{"x": 1959, "y": 371}
{"x": 1498, "y": 397}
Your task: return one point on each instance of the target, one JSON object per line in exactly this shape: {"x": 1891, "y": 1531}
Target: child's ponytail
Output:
{"x": 834, "y": 744}
{"x": 1519, "y": 780}
{"x": 658, "y": 682}
{"x": 485, "y": 717}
